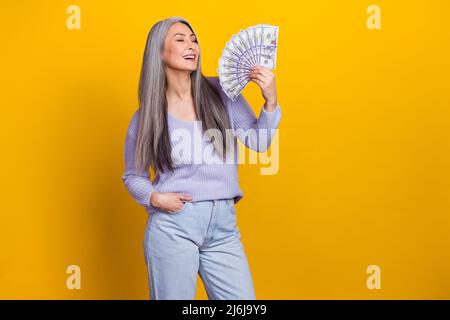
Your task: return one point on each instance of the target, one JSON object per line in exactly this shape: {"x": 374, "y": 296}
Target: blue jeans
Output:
{"x": 203, "y": 238}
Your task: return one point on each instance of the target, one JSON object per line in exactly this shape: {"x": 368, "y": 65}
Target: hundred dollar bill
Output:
{"x": 234, "y": 59}
{"x": 244, "y": 40}
{"x": 229, "y": 72}
{"x": 257, "y": 35}
{"x": 237, "y": 45}
{"x": 233, "y": 88}
{"x": 233, "y": 55}
{"x": 269, "y": 44}
{"x": 253, "y": 38}
{"x": 256, "y": 45}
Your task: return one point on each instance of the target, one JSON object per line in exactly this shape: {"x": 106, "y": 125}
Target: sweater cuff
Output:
{"x": 270, "y": 119}
{"x": 277, "y": 108}
{"x": 150, "y": 208}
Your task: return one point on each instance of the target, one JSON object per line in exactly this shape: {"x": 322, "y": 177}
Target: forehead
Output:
{"x": 179, "y": 27}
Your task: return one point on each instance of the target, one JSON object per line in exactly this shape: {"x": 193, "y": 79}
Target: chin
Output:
{"x": 191, "y": 69}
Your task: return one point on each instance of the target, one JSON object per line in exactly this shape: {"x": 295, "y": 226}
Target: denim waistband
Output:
{"x": 217, "y": 202}
{"x": 224, "y": 201}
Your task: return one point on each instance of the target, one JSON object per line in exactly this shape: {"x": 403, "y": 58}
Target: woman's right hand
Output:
{"x": 169, "y": 201}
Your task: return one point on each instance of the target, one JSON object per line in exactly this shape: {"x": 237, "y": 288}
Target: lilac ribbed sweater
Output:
{"x": 203, "y": 181}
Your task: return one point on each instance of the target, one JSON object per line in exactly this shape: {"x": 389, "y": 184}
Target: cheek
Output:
{"x": 172, "y": 51}
{"x": 176, "y": 52}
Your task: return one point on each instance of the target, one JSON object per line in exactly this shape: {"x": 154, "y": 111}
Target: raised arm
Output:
{"x": 255, "y": 133}
{"x": 137, "y": 184}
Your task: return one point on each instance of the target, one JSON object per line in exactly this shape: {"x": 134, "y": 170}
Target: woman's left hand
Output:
{"x": 265, "y": 79}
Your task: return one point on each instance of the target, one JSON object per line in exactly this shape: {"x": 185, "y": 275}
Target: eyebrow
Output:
{"x": 182, "y": 34}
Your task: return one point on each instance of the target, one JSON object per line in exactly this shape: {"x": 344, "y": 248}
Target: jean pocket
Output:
{"x": 183, "y": 208}
{"x": 233, "y": 210}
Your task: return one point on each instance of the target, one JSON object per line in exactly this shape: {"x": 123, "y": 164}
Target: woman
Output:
{"x": 191, "y": 226}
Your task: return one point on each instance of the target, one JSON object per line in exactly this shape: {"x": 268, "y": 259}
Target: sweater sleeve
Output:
{"x": 137, "y": 184}
{"x": 255, "y": 133}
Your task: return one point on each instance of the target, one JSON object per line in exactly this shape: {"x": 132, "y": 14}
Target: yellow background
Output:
{"x": 364, "y": 172}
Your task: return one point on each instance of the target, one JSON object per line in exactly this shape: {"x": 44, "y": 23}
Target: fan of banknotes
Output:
{"x": 256, "y": 45}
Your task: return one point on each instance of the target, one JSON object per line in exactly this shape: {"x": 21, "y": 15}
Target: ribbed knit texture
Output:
{"x": 203, "y": 181}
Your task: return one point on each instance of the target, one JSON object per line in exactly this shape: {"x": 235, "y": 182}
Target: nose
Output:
{"x": 191, "y": 45}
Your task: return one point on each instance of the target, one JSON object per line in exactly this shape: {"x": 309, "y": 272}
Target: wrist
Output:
{"x": 270, "y": 105}
{"x": 154, "y": 199}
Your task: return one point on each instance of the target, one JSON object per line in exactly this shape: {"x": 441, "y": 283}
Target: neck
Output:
{"x": 178, "y": 85}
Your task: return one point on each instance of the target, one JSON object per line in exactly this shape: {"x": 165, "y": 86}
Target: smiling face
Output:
{"x": 181, "y": 49}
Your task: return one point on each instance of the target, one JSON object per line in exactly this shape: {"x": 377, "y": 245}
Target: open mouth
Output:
{"x": 189, "y": 57}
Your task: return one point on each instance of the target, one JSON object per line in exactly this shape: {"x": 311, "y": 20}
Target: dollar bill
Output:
{"x": 269, "y": 45}
{"x": 256, "y": 45}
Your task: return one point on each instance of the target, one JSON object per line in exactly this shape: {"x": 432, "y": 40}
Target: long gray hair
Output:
{"x": 153, "y": 145}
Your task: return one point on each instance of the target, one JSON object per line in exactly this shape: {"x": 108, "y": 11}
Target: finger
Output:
{"x": 258, "y": 82}
{"x": 262, "y": 75}
{"x": 177, "y": 207}
{"x": 254, "y": 69}
{"x": 184, "y": 196}
{"x": 261, "y": 68}
{"x": 260, "y": 78}
{"x": 267, "y": 72}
